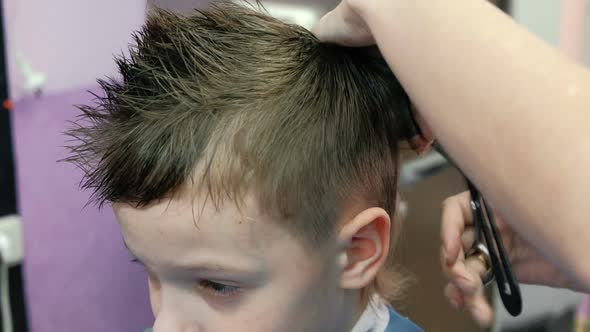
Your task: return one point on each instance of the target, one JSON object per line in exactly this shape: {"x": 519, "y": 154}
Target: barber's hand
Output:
{"x": 345, "y": 25}
{"x": 465, "y": 288}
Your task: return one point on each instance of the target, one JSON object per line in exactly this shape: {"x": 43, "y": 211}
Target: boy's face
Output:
{"x": 227, "y": 270}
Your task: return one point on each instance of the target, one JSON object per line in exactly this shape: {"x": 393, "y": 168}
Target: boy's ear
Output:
{"x": 366, "y": 245}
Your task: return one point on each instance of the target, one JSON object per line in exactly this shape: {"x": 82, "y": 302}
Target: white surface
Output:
{"x": 70, "y": 42}
{"x": 541, "y": 17}
{"x": 375, "y": 318}
{"x": 187, "y": 6}
{"x": 415, "y": 170}
{"x": 587, "y": 36}
{"x": 538, "y": 303}
{"x": 11, "y": 240}
{"x": 303, "y": 15}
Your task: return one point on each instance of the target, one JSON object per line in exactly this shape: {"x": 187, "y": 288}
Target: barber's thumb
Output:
{"x": 329, "y": 28}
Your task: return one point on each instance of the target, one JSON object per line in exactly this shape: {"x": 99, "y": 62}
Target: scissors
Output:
{"x": 488, "y": 246}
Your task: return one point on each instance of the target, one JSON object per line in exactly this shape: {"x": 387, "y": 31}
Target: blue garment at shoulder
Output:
{"x": 397, "y": 323}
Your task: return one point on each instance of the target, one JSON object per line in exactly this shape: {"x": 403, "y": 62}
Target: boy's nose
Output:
{"x": 165, "y": 323}
{"x": 170, "y": 318}
{"x": 162, "y": 325}
{"x": 175, "y": 310}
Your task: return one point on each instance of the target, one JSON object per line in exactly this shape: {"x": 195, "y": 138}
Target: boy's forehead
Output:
{"x": 184, "y": 225}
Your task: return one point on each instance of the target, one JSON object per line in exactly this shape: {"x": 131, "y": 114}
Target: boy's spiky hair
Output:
{"x": 229, "y": 99}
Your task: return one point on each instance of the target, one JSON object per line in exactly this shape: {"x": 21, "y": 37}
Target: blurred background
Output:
{"x": 67, "y": 269}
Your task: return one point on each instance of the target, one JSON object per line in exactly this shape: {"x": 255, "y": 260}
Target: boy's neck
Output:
{"x": 358, "y": 311}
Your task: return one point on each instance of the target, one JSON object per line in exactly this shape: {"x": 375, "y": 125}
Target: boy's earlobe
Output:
{"x": 367, "y": 244}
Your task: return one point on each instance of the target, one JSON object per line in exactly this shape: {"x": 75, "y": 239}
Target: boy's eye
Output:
{"x": 218, "y": 289}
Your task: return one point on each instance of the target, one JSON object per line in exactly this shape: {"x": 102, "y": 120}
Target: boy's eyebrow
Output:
{"x": 206, "y": 268}
{"x": 216, "y": 268}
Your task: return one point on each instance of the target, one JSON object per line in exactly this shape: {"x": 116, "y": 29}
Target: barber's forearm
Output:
{"x": 512, "y": 111}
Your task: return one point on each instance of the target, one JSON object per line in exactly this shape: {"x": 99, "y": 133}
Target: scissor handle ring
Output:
{"x": 481, "y": 253}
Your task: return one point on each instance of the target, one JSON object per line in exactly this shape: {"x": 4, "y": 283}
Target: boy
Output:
{"x": 252, "y": 170}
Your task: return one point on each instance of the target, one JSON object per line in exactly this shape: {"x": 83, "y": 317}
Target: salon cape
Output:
{"x": 378, "y": 317}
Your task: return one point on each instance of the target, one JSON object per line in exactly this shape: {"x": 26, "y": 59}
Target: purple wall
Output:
{"x": 78, "y": 276}
{"x": 77, "y": 273}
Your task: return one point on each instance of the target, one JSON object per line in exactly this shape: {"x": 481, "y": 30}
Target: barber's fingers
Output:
{"x": 421, "y": 143}
{"x": 476, "y": 302}
{"x": 466, "y": 290}
{"x": 478, "y": 307}
{"x": 454, "y": 296}
{"x": 466, "y": 274}
{"x": 456, "y": 215}
{"x": 476, "y": 269}
{"x": 468, "y": 238}
{"x": 343, "y": 26}
{"x": 466, "y": 243}
{"x": 331, "y": 27}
